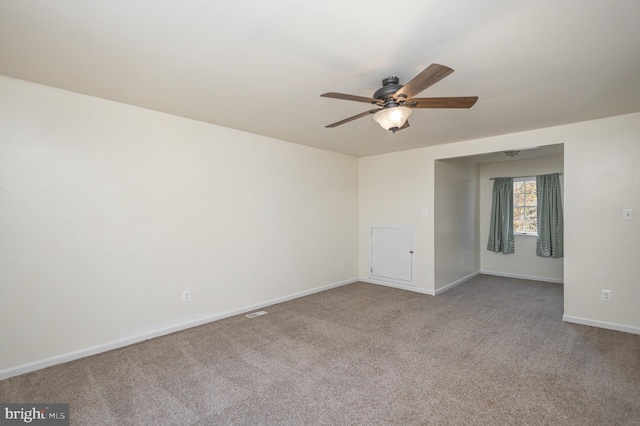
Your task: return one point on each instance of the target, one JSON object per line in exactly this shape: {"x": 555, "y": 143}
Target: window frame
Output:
{"x": 524, "y": 179}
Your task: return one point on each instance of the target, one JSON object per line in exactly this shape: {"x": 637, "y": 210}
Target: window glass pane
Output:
{"x": 518, "y": 220}
{"x": 530, "y": 185}
{"x": 518, "y": 200}
{"x": 518, "y": 187}
{"x": 531, "y": 213}
{"x": 531, "y": 219}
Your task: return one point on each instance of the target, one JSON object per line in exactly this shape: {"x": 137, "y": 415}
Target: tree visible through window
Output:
{"x": 525, "y": 206}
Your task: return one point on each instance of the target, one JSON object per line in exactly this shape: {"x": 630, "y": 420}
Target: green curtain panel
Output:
{"x": 501, "y": 227}
{"x": 550, "y": 220}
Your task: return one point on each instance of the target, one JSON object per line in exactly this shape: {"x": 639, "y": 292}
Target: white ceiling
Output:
{"x": 260, "y": 66}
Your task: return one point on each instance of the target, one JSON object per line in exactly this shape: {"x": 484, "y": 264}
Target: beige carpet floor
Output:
{"x": 492, "y": 351}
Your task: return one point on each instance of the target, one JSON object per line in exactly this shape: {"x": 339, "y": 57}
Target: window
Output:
{"x": 525, "y": 206}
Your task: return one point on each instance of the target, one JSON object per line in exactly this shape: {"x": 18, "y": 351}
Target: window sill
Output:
{"x": 525, "y": 235}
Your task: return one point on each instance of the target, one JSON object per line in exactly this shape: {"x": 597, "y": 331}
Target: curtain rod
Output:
{"x": 516, "y": 177}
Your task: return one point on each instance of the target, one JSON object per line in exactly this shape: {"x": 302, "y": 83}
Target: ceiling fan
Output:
{"x": 395, "y": 101}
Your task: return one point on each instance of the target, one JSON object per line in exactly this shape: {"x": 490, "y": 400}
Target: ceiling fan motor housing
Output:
{"x": 389, "y": 87}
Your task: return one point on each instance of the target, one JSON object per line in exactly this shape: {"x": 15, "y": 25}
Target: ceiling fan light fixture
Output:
{"x": 511, "y": 153}
{"x": 392, "y": 118}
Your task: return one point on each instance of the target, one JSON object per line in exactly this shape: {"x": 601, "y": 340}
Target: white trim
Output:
{"x": 524, "y": 277}
{"x": 601, "y": 324}
{"x": 420, "y": 290}
{"x": 145, "y": 333}
{"x": 400, "y": 286}
{"x": 455, "y": 283}
{"x": 524, "y": 234}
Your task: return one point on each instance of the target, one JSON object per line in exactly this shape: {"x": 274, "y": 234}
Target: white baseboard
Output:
{"x": 601, "y": 324}
{"x": 146, "y": 333}
{"x": 524, "y": 277}
{"x": 400, "y": 286}
{"x": 455, "y": 283}
{"x": 421, "y": 290}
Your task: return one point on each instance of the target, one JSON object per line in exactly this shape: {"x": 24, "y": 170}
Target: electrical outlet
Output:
{"x": 606, "y": 295}
{"x": 342, "y": 264}
{"x": 186, "y": 295}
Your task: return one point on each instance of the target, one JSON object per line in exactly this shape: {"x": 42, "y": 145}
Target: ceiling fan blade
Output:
{"x": 452, "y": 102}
{"x": 346, "y": 120}
{"x": 345, "y": 97}
{"x": 405, "y": 125}
{"x": 431, "y": 75}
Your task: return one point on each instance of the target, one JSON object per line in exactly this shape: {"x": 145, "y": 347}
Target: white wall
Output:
{"x": 392, "y": 192}
{"x": 108, "y": 212}
{"x": 455, "y": 235}
{"x": 524, "y": 262}
{"x": 601, "y": 177}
